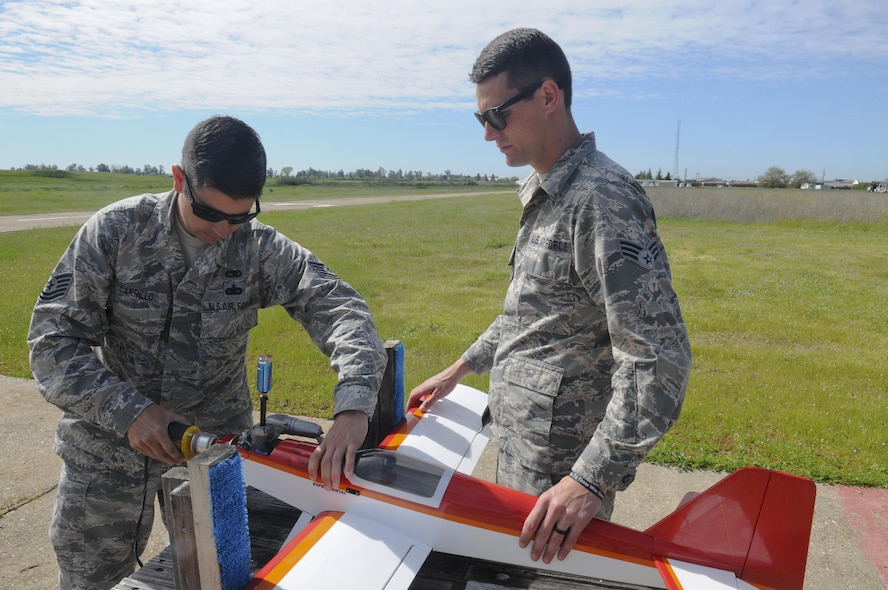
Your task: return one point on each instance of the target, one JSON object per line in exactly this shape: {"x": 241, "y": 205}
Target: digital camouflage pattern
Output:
{"x": 123, "y": 323}
{"x": 512, "y": 473}
{"x": 95, "y": 522}
{"x": 590, "y": 359}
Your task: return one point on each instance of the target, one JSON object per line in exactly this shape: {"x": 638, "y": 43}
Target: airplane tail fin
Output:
{"x": 755, "y": 522}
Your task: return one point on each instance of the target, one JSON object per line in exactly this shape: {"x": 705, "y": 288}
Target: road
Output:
{"x": 22, "y": 222}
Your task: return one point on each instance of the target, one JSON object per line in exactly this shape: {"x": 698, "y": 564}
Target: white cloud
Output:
{"x": 108, "y": 58}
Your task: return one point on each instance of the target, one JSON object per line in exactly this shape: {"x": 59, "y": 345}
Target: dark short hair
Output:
{"x": 527, "y": 56}
{"x": 225, "y": 154}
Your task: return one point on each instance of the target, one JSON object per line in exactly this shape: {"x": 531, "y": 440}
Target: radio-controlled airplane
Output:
{"x": 415, "y": 494}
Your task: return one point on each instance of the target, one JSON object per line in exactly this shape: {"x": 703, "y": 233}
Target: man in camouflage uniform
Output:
{"x": 589, "y": 360}
{"x": 145, "y": 321}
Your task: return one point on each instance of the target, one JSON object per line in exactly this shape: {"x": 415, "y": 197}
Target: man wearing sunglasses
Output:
{"x": 145, "y": 321}
{"x": 589, "y": 360}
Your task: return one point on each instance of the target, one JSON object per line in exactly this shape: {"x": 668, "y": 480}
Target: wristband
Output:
{"x": 588, "y": 485}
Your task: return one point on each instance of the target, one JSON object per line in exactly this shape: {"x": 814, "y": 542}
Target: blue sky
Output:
{"x": 354, "y": 84}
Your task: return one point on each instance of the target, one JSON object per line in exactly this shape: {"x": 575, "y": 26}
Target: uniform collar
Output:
{"x": 158, "y": 232}
{"x": 552, "y": 182}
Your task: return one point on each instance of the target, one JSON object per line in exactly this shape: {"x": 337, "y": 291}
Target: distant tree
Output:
{"x": 659, "y": 175}
{"x": 103, "y": 168}
{"x": 803, "y": 177}
{"x": 286, "y": 170}
{"x": 774, "y": 177}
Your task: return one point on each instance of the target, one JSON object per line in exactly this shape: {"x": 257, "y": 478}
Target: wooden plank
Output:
{"x": 201, "y": 506}
{"x": 179, "y": 516}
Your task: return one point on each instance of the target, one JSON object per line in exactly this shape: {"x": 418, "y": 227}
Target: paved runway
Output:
{"x": 23, "y": 222}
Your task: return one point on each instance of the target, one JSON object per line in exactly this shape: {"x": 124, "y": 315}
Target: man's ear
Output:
{"x": 178, "y": 178}
{"x": 552, "y": 94}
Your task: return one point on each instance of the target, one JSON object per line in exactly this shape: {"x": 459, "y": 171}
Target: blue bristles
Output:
{"x": 228, "y": 504}
{"x": 398, "y": 394}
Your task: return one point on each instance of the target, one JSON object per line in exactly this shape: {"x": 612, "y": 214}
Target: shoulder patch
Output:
{"x": 57, "y": 286}
{"x": 644, "y": 256}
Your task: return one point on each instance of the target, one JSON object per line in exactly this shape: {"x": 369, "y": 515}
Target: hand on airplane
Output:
{"x": 336, "y": 454}
{"x": 556, "y": 521}
{"x": 438, "y": 386}
{"x": 148, "y": 434}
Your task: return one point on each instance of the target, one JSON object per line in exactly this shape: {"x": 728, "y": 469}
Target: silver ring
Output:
{"x": 559, "y": 531}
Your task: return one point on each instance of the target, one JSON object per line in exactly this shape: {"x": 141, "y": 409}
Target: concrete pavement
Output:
{"x": 848, "y": 541}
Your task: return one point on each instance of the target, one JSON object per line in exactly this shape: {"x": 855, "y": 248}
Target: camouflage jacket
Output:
{"x": 589, "y": 360}
{"x": 122, "y": 324}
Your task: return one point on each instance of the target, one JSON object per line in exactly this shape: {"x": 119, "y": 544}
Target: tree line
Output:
{"x": 286, "y": 175}
{"x": 146, "y": 170}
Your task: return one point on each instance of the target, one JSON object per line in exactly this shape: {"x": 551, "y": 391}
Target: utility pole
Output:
{"x": 675, "y": 166}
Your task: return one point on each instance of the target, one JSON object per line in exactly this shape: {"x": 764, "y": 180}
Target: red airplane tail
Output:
{"x": 755, "y": 522}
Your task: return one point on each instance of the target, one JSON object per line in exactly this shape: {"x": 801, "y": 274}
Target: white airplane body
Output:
{"x": 414, "y": 495}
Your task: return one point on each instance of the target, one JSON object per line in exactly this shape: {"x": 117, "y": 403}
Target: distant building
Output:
{"x": 830, "y": 184}
{"x": 719, "y": 182}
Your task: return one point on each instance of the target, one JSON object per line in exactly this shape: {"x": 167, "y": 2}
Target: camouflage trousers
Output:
{"x": 512, "y": 474}
{"x": 95, "y": 521}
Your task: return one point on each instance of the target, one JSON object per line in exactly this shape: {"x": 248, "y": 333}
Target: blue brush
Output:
{"x": 399, "y": 396}
{"x": 228, "y": 505}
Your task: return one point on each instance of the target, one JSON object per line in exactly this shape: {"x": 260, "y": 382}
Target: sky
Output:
{"x": 732, "y": 87}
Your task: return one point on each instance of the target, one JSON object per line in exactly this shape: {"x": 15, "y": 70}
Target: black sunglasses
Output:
{"x": 495, "y": 117}
{"x": 207, "y": 213}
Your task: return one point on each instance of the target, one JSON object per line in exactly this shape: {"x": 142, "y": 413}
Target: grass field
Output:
{"x": 783, "y": 293}
{"x": 24, "y": 192}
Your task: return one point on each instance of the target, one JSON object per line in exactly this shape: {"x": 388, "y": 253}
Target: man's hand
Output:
{"x": 434, "y": 388}
{"x": 148, "y": 434}
{"x": 556, "y": 521}
{"x": 340, "y": 445}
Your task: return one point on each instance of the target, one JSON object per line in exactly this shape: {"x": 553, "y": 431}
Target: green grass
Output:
{"x": 786, "y": 315}
{"x": 788, "y": 330}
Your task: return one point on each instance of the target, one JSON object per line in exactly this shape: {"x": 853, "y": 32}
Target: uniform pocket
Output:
{"x": 546, "y": 265}
{"x": 225, "y": 333}
{"x": 527, "y": 404}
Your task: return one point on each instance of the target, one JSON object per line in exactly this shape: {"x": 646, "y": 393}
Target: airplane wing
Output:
{"x": 345, "y": 551}
{"x": 452, "y": 433}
